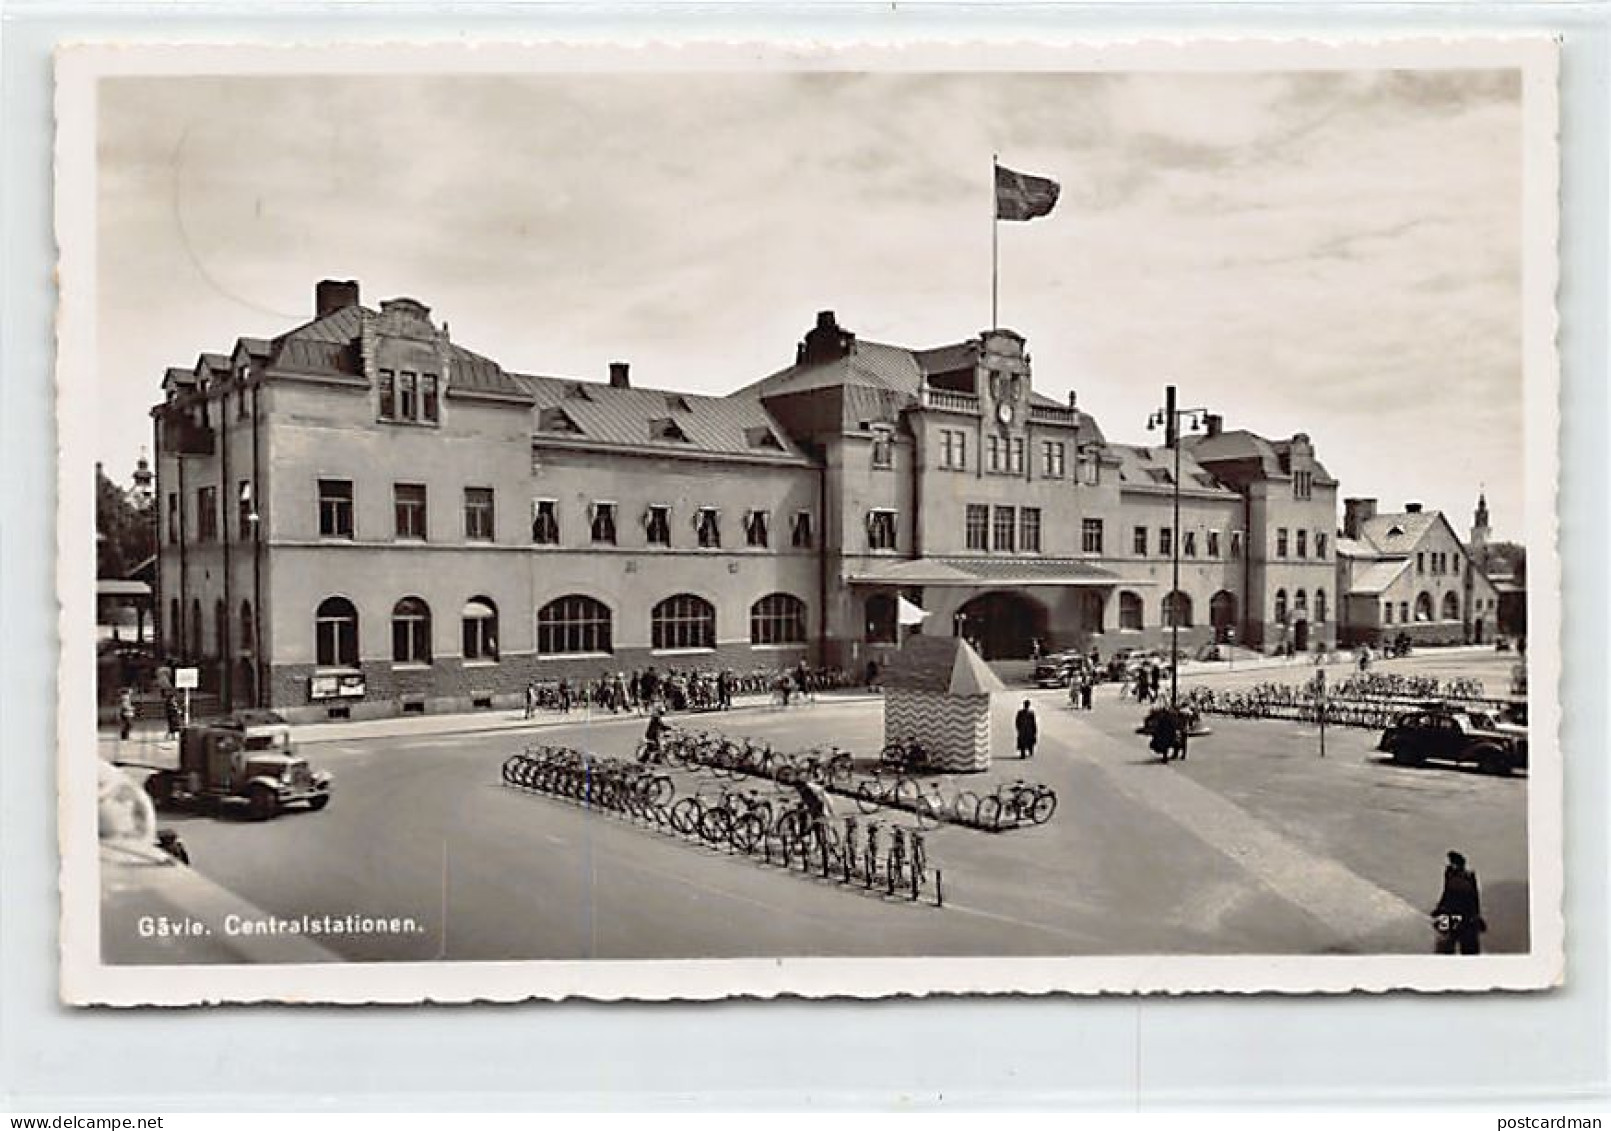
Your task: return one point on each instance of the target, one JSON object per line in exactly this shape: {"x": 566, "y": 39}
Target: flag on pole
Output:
{"x": 1023, "y": 196}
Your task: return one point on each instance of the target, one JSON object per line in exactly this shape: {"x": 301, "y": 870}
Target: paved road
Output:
{"x": 1253, "y": 845}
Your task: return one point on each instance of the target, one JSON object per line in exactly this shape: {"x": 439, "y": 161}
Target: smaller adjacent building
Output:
{"x": 1408, "y": 573}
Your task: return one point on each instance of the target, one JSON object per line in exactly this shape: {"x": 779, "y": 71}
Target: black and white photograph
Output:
{"x": 685, "y": 522}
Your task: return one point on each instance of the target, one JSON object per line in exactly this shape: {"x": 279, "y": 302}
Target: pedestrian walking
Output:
{"x": 724, "y": 690}
{"x": 531, "y": 698}
{"x": 1142, "y": 684}
{"x": 1154, "y": 682}
{"x": 172, "y": 713}
{"x": 125, "y": 713}
{"x": 1074, "y": 694}
{"x": 653, "y": 734}
{"x": 565, "y": 696}
{"x": 1458, "y": 916}
{"x": 1028, "y": 730}
{"x": 1087, "y": 690}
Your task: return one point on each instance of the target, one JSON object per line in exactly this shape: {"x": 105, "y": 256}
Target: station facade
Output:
{"x": 362, "y": 517}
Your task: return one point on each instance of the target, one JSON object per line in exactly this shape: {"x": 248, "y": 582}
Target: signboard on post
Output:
{"x": 186, "y": 679}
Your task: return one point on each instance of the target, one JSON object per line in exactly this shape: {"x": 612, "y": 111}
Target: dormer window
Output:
{"x": 665, "y": 428}
{"x": 762, "y": 437}
{"x": 408, "y": 397}
{"x": 556, "y": 420}
{"x": 676, "y": 402}
{"x": 578, "y": 392}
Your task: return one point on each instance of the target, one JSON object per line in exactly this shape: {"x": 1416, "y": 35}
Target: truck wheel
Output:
{"x": 160, "y": 788}
{"x": 319, "y": 802}
{"x": 261, "y": 802}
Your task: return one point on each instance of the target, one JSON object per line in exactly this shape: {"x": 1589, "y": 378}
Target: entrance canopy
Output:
{"x": 973, "y": 572}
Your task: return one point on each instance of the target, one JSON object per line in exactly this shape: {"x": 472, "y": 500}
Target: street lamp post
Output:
{"x": 1170, "y": 417}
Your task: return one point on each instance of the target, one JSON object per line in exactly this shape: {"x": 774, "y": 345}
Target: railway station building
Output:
{"x": 362, "y": 517}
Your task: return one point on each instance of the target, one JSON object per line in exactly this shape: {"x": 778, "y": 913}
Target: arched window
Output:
{"x": 1280, "y": 606}
{"x": 1451, "y": 606}
{"x": 1129, "y": 612}
{"x": 411, "y": 632}
{"x": 248, "y": 628}
{"x": 1300, "y": 605}
{"x": 335, "y": 629}
{"x": 778, "y": 618}
{"x": 880, "y": 611}
{"x": 1177, "y": 601}
{"x": 480, "y": 629}
{"x": 220, "y": 628}
{"x": 683, "y": 621}
{"x": 1423, "y": 607}
{"x": 573, "y": 624}
{"x": 1320, "y": 606}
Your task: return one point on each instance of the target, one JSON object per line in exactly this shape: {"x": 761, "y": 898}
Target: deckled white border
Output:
{"x": 85, "y": 980}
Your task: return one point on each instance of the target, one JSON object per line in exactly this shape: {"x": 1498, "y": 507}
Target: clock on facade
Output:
{"x": 1004, "y": 413}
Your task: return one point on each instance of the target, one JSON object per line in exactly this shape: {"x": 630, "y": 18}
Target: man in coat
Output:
{"x": 1458, "y": 915}
{"x": 1028, "y": 730}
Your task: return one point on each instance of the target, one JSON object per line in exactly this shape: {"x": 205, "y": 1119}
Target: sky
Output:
{"x": 1334, "y": 253}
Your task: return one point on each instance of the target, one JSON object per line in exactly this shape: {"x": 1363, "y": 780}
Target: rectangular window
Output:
{"x": 883, "y": 451}
{"x": 335, "y": 508}
{"x": 408, "y": 397}
{"x": 1029, "y": 530}
{"x": 800, "y": 535}
{"x": 1138, "y": 543}
{"x": 953, "y": 449}
{"x": 1320, "y": 545}
{"x": 1166, "y": 541}
{"x": 388, "y": 395}
{"x": 1404, "y": 612}
{"x": 207, "y": 514}
{"x": 1281, "y": 542}
{"x": 604, "y": 523}
{"x": 881, "y": 530}
{"x": 1303, "y": 543}
{"x": 996, "y": 448}
{"x": 173, "y": 516}
{"x": 1017, "y": 455}
{"x": 1236, "y": 543}
{"x": 1004, "y": 529}
{"x": 241, "y": 411}
{"x": 657, "y": 526}
{"x": 1420, "y": 563}
{"x": 1051, "y": 459}
{"x": 1188, "y": 543}
{"x": 708, "y": 526}
{"x": 478, "y": 514}
{"x": 545, "y": 522}
{"x": 1387, "y": 612}
{"x": 244, "y": 514}
{"x": 1091, "y": 535}
{"x": 756, "y": 529}
{"x": 428, "y": 398}
{"x": 1302, "y": 484}
{"x": 976, "y": 529}
{"x": 408, "y": 501}
{"x": 1213, "y": 543}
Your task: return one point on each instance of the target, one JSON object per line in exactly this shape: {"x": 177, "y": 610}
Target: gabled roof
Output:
{"x": 644, "y": 419}
{"x": 1240, "y": 444}
{"x": 1378, "y": 576}
{"x": 943, "y": 664}
{"x": 1397, "y": 533}
{"x": 869, "y": 364}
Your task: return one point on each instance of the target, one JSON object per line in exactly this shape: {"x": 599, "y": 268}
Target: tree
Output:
{"x": 1507, "y": 556}
{"x": 125, "y": 528}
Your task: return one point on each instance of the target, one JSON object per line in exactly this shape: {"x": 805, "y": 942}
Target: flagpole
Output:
{"x": 995, "y": 236}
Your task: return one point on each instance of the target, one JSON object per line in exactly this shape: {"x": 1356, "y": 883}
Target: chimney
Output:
{"x": 1412, "y": 508}
{"x": 1357, "y": 512}
{"x": 1073, "y": 399}
{"x": 619, "y": 378}
{"x": 1214, "y": 423}
{"x": 332, "y": 295}
{"x": 826, "y": 341}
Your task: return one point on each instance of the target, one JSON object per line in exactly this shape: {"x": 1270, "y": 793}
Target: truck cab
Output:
{"x": 246, "y": 760}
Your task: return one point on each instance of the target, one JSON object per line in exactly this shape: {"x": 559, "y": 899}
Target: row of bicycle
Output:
{"x": 1367, "y": 714}
{"x": 780, "y": 828}
{"x": 892, "y": 785}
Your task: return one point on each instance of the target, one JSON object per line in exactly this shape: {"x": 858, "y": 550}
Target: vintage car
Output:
{"x": 1455, "y": 734}
{"x": 1059, "y": 669}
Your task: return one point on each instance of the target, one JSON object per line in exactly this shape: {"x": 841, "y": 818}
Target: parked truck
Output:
{"x": 246, "y": 761}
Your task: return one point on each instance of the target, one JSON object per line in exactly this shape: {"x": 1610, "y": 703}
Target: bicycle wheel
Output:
{"x": 965, "y": 809}
{"x": 659, "y": 790}
{"x": 928, "y": 812}
{"x": 840, "y": 771}
{"x": 1045, "y": 805}
{"x": 869, "y": 797}
{"x": 686, "y": 815}
{"x": 747, "y": 832}
{"x": 907, "y": 793}
{"x": 989, "y": 812}
{"x": 716, "y": 826}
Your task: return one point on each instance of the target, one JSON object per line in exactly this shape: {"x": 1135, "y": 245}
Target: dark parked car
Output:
{"x": 1447, "y": 734}
{"x": 1059, "y": 669}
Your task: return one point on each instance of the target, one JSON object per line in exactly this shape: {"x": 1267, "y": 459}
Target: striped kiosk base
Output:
{"x": 954, "y": 729}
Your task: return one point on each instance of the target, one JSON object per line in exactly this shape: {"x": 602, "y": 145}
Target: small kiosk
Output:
{"x": 937, "y": 690}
